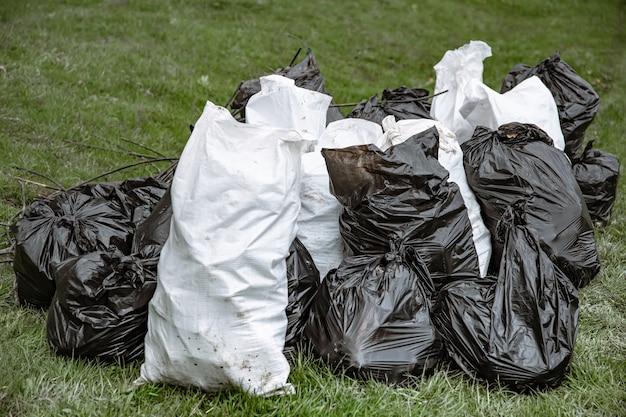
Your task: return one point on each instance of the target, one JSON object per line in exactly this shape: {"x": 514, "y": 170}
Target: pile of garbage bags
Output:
{"x": 414, "y": 230}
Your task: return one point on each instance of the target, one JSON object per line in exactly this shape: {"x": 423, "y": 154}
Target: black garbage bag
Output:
{"x": 369, "y": 109}
{"x": 517, "y": 328}
{"x": 371, "y": 316}
{"x": 155, "y": 229}
{"x": 306, "y": 74}
{"x": 100, "y": 308}
{"x": 64, "y": 225}
{"x": 403, "y": 192}
{"x": 303, "y": 281}
{"x": 518, "y": 161}
{"x": 575, "y": 98}
{"x": 597, "y": 173}
{"x": 83, "y": 219}
{"x": 403, "y": 103}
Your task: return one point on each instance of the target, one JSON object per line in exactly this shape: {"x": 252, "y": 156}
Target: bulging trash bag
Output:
{"x": 303, "y": 280}
{"x": 86, "y": 218}
{"x": 318, "y": 220}
{"x": 597, "y": 173}
{"x": 100, "y": 308}
{"x": 450, "y": 157}
{"x": 217, "y": 318}
{"x": 518, "y": 161}
{"x": 455, "y": 70}
{"x": 575, "y": 98}
{"x": 517, "y": 328}
{"x": 66, "y": 224}
{"x": 402, "y": 103}
{"x": 403, "y": 192}
{"x": 306, "y": 74}
{"x": 372, "y": 317}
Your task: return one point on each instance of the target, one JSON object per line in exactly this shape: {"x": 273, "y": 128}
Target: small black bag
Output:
{"x": 372, "y": 317}
{"x": 100, "y": 308}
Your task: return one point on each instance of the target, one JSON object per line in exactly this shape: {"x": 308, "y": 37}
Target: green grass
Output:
{"x": 94, "y": 72}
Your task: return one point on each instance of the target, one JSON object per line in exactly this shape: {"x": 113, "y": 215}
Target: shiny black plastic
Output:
{"x": 403, "y": 193}
{"x": 403, "y": 103}
{"x": 84, "y": 219}
{"x": 517, "y": 328}
{"x": 303, "y": 281}
{"x": 371, "y": 316}
{"x": 100, "y": 308}
{"x": 597, "y": 173}
{"x": 518, "y": 161}
{"x": 575, "y": 98}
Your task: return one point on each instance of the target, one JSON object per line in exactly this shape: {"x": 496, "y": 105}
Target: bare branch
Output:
{"x": 141, "y": 145}
{"x": 53, "y": 181}
{"x": 125, "y": 167}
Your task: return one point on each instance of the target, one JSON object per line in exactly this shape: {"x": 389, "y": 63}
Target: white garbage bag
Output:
{"x": 217, "y": 318}
{"x": 455, "y": 70}
{"x": 450, "y": 157}
{"x": 281, "y": 103}
{"x": 529, "y": 102}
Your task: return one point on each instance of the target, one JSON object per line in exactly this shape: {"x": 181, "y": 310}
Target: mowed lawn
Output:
{"x": 86, "y": 85}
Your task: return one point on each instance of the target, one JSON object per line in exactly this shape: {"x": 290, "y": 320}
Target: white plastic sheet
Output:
{"x": 217, "y": 318}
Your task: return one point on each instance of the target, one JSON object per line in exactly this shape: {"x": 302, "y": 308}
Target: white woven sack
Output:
{"x": 450, "y": 156}
{"x": 457, "y": 68}
{"x": 217, "y": 318}
{"x": 281, "y": 103}
{"x": 318, "y": 222}
{"x": 529, "y": 102}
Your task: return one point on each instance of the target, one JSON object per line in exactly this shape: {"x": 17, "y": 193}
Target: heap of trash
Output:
{"x": 415, "y": 230}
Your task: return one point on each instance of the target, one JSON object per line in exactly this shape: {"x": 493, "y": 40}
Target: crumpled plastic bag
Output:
{"x": 403, "y": 192}
{"x": 303, "y": 280}
{"x": 80, "y": 220}
{"x": 597, "y": 173}
{"x": 575, "y": 98}
{"x": 518, "y": 161}
{"x": 100, "y": 308}
{"x": 155, "y": 229}
{"x": 402, "y": 103}
{"x": 372, "y": 317}
{"x": 318, "y": 220}
{"x": 519, "y": 327}
{"x": 450, "y": 157}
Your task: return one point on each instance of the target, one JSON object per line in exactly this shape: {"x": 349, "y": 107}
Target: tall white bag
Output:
{"x": 217, "y": 319}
